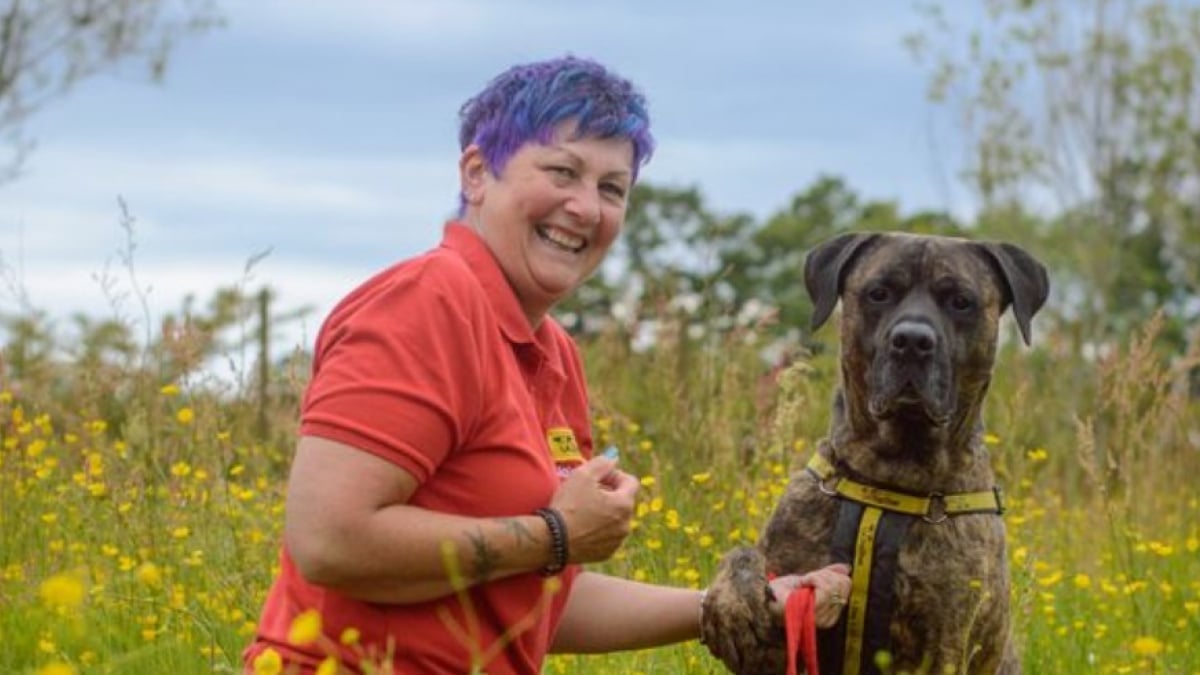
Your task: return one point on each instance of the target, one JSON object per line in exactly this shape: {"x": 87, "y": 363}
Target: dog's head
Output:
{"x": 920, "y": 317}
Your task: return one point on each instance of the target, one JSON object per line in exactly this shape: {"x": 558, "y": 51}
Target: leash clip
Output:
{"x": 937, "y": 509}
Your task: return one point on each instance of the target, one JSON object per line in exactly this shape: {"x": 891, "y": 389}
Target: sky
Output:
{"x": 323, "y": 133}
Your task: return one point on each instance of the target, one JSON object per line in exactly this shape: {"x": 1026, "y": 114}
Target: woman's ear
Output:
{"x": 472, "y": 174}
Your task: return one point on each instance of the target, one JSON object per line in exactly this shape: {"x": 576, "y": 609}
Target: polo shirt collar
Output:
{"x": 465, "y": 241}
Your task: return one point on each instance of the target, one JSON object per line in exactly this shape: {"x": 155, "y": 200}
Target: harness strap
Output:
{"x": 860, "y": 581}
{"x": 934, "y": 507}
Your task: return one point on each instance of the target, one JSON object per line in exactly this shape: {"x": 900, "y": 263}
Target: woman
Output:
{"x": 444, "y": 491}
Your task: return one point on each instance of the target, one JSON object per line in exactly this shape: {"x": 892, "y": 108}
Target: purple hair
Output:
{"x": 526, "y": 102}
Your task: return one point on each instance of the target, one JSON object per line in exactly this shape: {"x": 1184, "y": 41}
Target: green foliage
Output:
{"x": 1084, "y": 112}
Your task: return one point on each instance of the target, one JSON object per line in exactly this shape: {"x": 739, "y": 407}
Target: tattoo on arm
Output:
{"x": 486, "y": 558}
{"x": 519, "y": 532}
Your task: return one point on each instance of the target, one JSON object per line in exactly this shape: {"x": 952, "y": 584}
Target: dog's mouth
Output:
{"x": 910, "y": 401}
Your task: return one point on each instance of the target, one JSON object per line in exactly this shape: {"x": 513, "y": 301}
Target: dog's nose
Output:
{"x": 912, "y": 340}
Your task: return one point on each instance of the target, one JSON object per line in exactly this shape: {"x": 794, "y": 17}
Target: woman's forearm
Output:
{"x": 606, "y": 613}
{"x": 405, "y": 554}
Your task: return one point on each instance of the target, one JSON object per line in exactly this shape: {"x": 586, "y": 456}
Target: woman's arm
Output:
{"x": 605, "y": 613}
{"x": 349, "y": 527}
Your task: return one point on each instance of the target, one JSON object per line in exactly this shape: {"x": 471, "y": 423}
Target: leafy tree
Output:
{"x": 1085, "y": 114}
{"x": 48, "y": 46}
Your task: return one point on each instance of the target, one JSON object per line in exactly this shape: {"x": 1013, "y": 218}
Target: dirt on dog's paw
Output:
{"x": 738, "y": 625}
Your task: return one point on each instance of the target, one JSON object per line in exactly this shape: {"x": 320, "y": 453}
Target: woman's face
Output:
{"x": 552, "y": 214}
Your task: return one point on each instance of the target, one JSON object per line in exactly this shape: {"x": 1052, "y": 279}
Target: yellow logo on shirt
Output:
{"x": 563, "y": 446}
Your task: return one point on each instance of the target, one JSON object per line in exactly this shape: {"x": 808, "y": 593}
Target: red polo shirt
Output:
{"x": 433, "y": 366}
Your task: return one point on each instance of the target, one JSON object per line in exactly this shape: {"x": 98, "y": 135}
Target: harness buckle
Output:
{"x": 827, "y": 490}
{"x": 937, "y": 509}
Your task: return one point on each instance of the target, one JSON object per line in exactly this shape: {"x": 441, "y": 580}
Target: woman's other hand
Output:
{"x": 596, "y": 501}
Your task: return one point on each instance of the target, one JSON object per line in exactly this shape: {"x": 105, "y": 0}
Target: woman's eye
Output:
{"x": 613, "y": 189}
{"x": 563, "y": 171}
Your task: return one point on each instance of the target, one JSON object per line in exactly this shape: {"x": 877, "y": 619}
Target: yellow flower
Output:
{"x": 268, "y": 663}
{"x": 350, "y": 636}
{"x": 169, "y": 390}
{"x": 149, "y": 574}
{"x": 57, "y": 669}
{"x": 62, "y": 590}
{"x": 648, "y": 481}
{"x": 328, "y": 667}
{"x": 1082, "y": 581}
{"x": 991, "y": 439}
{"x": 1147, "y": 646}
{"x": 185, "y": 416}
{"x": 701, "y": 478}
{"x": 1037, "y": 455}
{"x": 306, "y": 628}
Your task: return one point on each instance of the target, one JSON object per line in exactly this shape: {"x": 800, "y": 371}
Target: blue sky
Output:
{"x": 326, "y": 132}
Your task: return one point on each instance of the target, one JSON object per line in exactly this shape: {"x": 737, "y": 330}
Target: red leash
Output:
{"x": 800, "y": 625}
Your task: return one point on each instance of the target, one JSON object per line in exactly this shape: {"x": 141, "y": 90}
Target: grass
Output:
{"x": 140, "y": 517}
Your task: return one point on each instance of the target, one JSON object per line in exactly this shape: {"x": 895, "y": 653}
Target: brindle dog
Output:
{"x": 919, "y": 327}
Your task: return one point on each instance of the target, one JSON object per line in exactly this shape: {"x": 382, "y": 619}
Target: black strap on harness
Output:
{"x": 878, "y": 602}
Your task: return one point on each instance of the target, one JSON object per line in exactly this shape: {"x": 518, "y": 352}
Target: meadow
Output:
{"x": 140, "y": 517}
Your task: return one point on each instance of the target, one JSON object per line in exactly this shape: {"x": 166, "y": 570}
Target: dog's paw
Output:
{"x": 738, "y": 625}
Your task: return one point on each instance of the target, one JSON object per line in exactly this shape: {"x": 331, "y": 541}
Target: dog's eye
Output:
{"x": 879, "y": 294}
{"x": 961, "y": 302}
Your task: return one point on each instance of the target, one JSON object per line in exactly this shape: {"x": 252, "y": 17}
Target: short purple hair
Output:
{"x": 526, "y": 102}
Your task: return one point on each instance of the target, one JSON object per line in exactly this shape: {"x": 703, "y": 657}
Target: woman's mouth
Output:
{"x": 566, "y": 241}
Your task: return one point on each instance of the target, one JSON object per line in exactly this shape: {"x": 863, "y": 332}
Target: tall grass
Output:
{"x": 140, "y": 519}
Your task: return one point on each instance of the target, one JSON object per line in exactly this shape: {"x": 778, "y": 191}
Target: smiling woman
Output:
{"x": 552, "y": 213}
{"x": 444, "y": 493}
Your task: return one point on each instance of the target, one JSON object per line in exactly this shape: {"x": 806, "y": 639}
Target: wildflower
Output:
{"x": 701, "y": 478}
{"x": 646, "y": 446}
{"x": 62, "y": 590}
{"x": 1037, "y": 455}
{"x": 185, "y": 416}
{"x": 329, "y": 666}
{"x": 991, "y": 439}
{"x": 268, "y": 663}
{"x": 350, "y": 636}
{"x": 181, "y": 532}
{"x": 1147, "y": 646}
{"x": 180, "y": 469}
{"x": 1050, "y": 579}
{"x": 1082, "y": 581}
{"x": 306, "y": 628}
{"x": 169, "y": 390}
{"x": 57, "y": 669}
{"x": 149, "y": 574}
{"x": 648, "y": 481}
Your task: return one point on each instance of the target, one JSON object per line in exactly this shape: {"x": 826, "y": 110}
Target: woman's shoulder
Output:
{"x": 429, "y": 283}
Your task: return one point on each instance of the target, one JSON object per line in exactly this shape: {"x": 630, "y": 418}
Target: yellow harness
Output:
{"x": 934, "y": 507}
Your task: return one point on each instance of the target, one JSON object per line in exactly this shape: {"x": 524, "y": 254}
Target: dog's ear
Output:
{"x": 825, "y": 269}
{"x": 1026, "y": 283}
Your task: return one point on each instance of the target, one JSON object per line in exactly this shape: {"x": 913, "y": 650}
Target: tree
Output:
{"x": 1081, "y": 117}
{"x": 47, "y": 46}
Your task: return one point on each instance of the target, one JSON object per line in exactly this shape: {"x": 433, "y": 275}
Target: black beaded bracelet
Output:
{"x": 558, "y": 541}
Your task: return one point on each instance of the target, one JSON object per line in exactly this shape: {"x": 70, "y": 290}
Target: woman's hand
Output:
{"x": 596, "y": 501}
{"x": 831, "y": 585}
